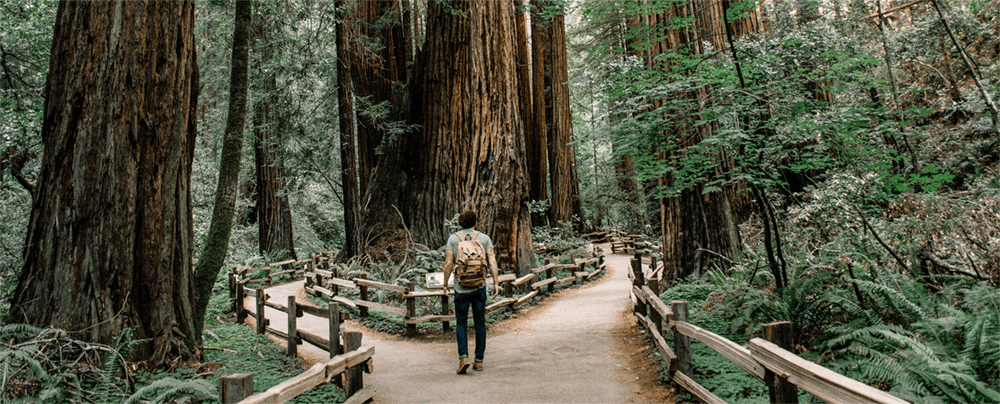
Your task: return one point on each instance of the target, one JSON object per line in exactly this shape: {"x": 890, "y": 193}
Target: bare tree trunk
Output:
{"x": 274, "y": 215}
{"x": 534, "y": 143}
{"x": 217, "y": 242}
{"x": 537, "y": 144}
{"x": 110, "y": 236}
{"x": 470, "y": 151}
{"x": 377, "y": 72}
{"x": 348, "y": 156}
{"x": 562, "y": 161}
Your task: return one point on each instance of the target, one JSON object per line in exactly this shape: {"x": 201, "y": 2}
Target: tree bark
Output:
{"x": 562, "y": 161}
{"x": 274, "y": 215}
{"x": 470, "y": 151}
{"x": 377, "y": 72}
{"x": 536, "y": 145}
{"x": 110, "y": 237}
{"x": 348, "y": 155}
{"x": 217, "y": 242}
{"x": 699, "y": 228}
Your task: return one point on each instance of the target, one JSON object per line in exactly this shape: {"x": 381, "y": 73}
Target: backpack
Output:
{"x": 470, "y": 261}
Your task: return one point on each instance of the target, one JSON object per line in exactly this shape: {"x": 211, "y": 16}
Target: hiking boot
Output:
{"x": 463, "y": 365}
{"x": 478, "y": 366}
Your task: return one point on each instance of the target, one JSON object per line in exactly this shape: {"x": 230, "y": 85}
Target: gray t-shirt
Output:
{"x": 453, "y": 246}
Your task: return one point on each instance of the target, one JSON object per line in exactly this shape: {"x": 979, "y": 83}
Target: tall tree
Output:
{"x": 562, "y": 161}
{"x": 274, "y": 215}
{"x": 217, "y": 242}
{"x": 378, "y": 70}
{"x": 698, "y": 227}
{"x": 470, "y": 151}
{"x": 110, "y": 236}
{"x": 534, "y": 141}
{"x": 348, "y": 154}
{"x": 536, "y": 145}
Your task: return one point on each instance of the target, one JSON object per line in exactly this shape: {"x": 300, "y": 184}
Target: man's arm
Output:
{"x": 491, "y": 257}
{"x": 449, "y": 260}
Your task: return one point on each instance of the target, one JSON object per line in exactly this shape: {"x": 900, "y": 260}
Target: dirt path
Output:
{"x": 578, "y": 346}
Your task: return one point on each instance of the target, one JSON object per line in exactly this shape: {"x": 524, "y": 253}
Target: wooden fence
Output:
{"x": 321, "y": 281}
{"x": 766, "y": 359}
{"x": 344, "y": 369}
{"x": 347, "y": 357}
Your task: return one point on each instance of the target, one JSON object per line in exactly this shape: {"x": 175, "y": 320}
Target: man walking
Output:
{"x": 468, "y": 253}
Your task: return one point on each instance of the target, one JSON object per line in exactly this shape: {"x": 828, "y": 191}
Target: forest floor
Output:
{"x": 580, "y": 345}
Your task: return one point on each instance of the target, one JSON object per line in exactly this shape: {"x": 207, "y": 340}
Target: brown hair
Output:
{"x": 467, "y": 219}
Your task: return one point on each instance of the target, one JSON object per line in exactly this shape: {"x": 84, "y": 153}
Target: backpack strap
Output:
{"x": 459, "y": 234}
{"x": 475, "y": 235}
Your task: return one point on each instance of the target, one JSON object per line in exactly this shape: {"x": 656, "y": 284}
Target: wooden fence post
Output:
{"x": 241, "y": 312}
{"x": 334, "y": 313}
{"x": 778, "y": 388}
{"x": 583, "y": 268}
{"x": 333, "y": 287}
{"x": 232, "y": 284}
{"x": 445, "y": 310}
{"x": 363, "y": 290}
{"x": 261, "y": 320}
{"x": 652, "y": 266}
{"x": 293, "y": 334}
{"x": 267, "y": 276}
{"x": 411, "y": 310}
{"x": 552, "y": 286}
{"x": 354, "y": 378}
{"x": 639, "y": 281}
{"x": 654, "y": 315}
{"x": 235, "y": 387}
{"x": 682, "y": 344}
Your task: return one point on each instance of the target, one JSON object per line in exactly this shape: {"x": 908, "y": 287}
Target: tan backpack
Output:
{"x": 470, "y": 261}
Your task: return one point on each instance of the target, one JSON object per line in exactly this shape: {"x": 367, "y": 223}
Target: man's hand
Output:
{"x": 495, "y": 291}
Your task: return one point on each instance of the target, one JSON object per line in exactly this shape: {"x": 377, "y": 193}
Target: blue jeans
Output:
{"x": 478, "y": 301}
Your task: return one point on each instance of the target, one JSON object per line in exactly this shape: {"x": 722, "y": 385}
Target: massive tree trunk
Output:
{"x": 348, "y": 155}
{"x": 274, "y": 214}
{"x": 699, "y": 228}
{"x": 534, "y": 142}
{"x": 536, "y": 145}
{"x": 469, "y": 152}
{"x": 110, "y": 236}
{"x": 377, "y": 71}
{"x": 562, "y": 161}
{"x": 217, "y": 242}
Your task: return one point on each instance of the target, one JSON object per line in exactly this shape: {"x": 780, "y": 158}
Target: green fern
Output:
{"x": 169, "y": 387}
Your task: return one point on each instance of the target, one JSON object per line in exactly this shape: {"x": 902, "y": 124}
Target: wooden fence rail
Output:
{"x": 768, "y": 360}
{"x": 326, "y": 282}
{"x": 347, "y": 367}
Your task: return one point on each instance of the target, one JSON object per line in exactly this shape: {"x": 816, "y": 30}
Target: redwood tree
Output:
{"x": 559, "y": 131}
{"x": 348, "y": 153}
{"x": 697, "y": 227}
{"x": 274, "y": 215}
{"x": 469, "y": 151}
{"x": 110, "y": 237}
{"x": 381, "y": 52}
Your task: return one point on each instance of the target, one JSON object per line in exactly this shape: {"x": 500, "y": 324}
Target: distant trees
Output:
{"x": 110, "y": 236}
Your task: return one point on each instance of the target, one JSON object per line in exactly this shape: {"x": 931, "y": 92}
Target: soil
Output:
{"x": 579, "y": 345}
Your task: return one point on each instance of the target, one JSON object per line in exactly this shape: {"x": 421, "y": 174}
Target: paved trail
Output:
{"x": 578, "y": 346}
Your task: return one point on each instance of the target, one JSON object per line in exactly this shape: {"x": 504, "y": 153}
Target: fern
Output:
{"x": 885, "y": 296}
{"x": 169, "y": 387}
